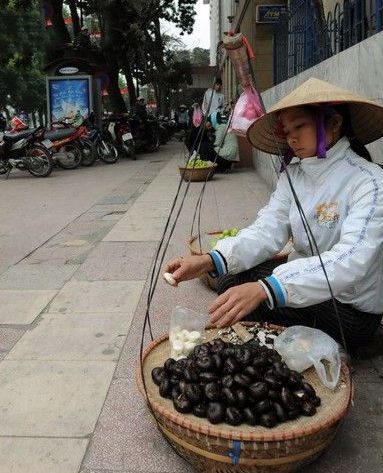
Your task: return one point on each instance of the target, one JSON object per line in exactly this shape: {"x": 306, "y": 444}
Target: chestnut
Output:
{"x": 242, "y": 380}
{"x": 309, "y": 389}
{"x": 179, "y": 367}
{"x": 182, "y": 405}
{"x": 242, "y": 355}
{"x": 281, "y": 370}
{"x": 176, "y": 392}
{"x": 252, "y": 372}
{"x": 191, "y": 375}
{"x": 262, "y": 406}
{"x": 288, "y": 399}
{"x": 174, "y": 379}
{"x": 316, "y": 401}
{"x": 205, "y": 363}
{"x": 212, "y": 391}
{"x": 280, "y": 412}
{"x": 231, "y": 366}
{"x": 258, "y": 390}
{"x": 193, "y": 393}
{"x": 243, "y": 398}
{"x": 227, "y": 381}
{"x": 158, "y": 374}
{"x": 216, "y": 412}
{"x": 207, "y": 377}
{"x": 293, "y": 413}
{"x": 169, "y": 363}
{"x": 273, "y": 395}
{"x": 250, "y": 416}
{"x": 269, "y": 420}
{"x": 217, "y": 361}
{"x": 200, "y": 410}
{"x": 165, "y": 388}
{"x": 259, "y": 363}
{"x": 228, "y": 351}
{"x": 218, "y": 346}
{"x": 308, "y": 408}
{"x": 233, "y": 416}
{"x": 273, "y": 382}
{"x": 229, "y": 397}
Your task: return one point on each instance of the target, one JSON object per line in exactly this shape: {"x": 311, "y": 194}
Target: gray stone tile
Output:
{"x": 359, "y": 442}
{"x": 9, "y": 336}
{"x": 22, "y": 307}
{"x": 54, "y": 399}
{"x": 135, "y": 228}
{"x": 97, "y": 296}
{"x": 118, "y": 261}
{"x": 42, "y": 455}
{"x": 109, "y": 208}
{"x": 40, "y": 276}
{"x": 78, "y": 337}
{"x": 126, "y": 439}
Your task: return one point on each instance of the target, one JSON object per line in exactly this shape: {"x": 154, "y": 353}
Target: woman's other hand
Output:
{"x": 184, "y": 269}
{"x": 234, "y": 304}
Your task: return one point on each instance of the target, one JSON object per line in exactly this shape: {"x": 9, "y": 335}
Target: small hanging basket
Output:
{"x": 226, "y": 449}
{"x": 197, "y": 174}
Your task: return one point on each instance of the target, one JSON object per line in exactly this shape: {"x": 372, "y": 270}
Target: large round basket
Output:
{"x": 197, "y": 174}
{"x": 215, "y": 448}
{"x": 194, "y": 247}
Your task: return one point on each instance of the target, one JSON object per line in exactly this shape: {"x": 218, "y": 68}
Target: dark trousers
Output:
{"x": 358, "y": 327}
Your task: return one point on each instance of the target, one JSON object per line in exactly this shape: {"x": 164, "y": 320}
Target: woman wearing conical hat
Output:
{"x": 340, "y": 191}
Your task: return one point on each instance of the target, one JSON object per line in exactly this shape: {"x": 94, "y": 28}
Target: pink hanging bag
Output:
{"x": 247, "y": 109}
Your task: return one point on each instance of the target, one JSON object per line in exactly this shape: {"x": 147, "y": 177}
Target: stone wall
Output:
{"x": 359, "y": 69}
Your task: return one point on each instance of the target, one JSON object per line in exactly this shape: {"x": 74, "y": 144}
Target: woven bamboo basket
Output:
{"x": 193, "y": 245}
{"x": 197, "y": 174}
{"x": 282, "y": 449}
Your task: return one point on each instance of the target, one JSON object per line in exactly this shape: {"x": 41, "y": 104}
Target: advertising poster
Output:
{"x": 69, "y": 98}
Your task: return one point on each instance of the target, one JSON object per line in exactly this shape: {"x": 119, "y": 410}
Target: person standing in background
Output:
{"x": 213, "y": 97}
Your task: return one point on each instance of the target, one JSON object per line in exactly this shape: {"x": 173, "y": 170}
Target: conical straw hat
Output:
{"x": 366, "y": 116}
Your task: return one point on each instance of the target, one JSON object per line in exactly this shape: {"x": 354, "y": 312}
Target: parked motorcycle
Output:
{"x": 117, "y": 130}
{"x": 146, "y": 133}
{"x": 105, "y": 150}
{"x": 20, "y": 151}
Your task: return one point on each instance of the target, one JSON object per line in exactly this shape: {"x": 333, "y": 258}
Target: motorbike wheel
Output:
{"x": 41, "y": 164}
{"x": 107, "y": 152}
{"x": 88, "y": 152}
{"x": 73, "y": 160}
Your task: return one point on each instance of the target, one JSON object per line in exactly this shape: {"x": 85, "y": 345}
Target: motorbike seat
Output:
{"x": 56, "y": 135}
{"x": 18, "y": 136}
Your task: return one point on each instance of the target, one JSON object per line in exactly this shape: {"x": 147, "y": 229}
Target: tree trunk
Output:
{"x": 75, "y": 17}
{"x": 116, "y": 101}
{"x": 130, "y": 86}
{"x": 41, "y": 117}
{"x": 34, "y": 119}
{"x": 61, "y": 33}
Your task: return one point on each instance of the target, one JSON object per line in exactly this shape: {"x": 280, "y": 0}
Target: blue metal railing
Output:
{"x": 304, "y": 37}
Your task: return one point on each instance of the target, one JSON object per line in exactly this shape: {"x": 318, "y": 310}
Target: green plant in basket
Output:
{"x": 232, "y": 232}
{"x": 199, "y": 164}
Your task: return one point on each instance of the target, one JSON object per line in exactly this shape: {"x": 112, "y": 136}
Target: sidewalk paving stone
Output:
{"x": 74, "y": 337}
{"x": 22, "y": 307}
{"x": 9, "y": 336}
{"x": 97, "y": 296}
{"x": 118, "y": 261}
{"x": 37, "y": 276}
{"x": 52, "y": 398}
{"x": 41, "y": 455}
{"x": 137, "y": 228}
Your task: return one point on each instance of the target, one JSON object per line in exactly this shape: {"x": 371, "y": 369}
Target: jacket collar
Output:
{"x": 316, "y": 166}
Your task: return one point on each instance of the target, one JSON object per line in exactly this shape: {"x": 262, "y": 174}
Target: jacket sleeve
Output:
{"x": 361, "y": 240}
{"x": 264, "y": 238}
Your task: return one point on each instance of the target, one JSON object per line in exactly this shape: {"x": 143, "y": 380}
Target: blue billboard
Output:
{"x": 69, "y": 97}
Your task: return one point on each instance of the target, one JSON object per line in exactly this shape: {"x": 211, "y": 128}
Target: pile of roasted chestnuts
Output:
{"x": 236, "y": 384}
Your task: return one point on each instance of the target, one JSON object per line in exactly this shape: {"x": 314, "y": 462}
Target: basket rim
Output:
{"x": 235, "y": 433}
{"x": 182, "y": 168}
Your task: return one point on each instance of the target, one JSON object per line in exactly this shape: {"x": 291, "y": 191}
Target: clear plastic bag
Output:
{"x": 302, "y": 347}
{"x": 247, "y": 109}
{"x": 187, "y": 329}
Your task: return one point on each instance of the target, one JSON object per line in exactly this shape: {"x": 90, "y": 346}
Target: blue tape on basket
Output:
{"x": 236, "y": 453}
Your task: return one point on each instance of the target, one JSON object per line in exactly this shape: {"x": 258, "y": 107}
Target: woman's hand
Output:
{"x": 184, "y": 269}
{"x": 236, "y": 303}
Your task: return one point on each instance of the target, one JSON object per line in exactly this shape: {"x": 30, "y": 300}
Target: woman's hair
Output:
{"x": 347, "y": 130}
